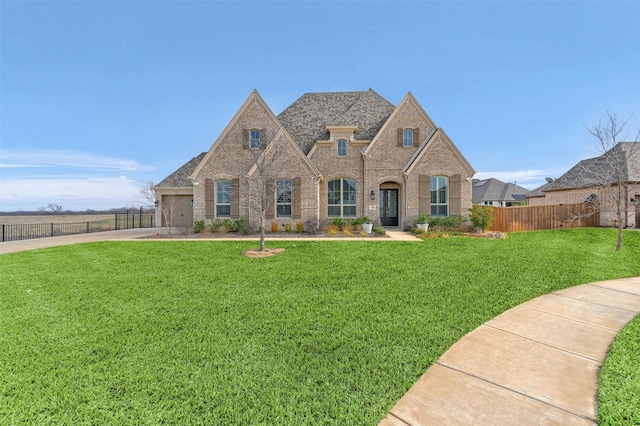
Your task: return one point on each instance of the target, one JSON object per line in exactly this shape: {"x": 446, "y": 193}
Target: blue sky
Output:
{"x": 99, "y": 98}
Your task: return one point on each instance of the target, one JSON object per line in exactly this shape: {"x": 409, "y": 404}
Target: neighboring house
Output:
{"x": 592, "y": 180}
{"x": 493, "y": 192}
{"x": 343, "y": 154}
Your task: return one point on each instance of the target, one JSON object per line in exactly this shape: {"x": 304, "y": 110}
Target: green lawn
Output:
{"x": 174, "y": 332}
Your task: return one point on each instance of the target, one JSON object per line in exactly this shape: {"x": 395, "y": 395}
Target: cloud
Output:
{"x": 71, "y": 193}
{"x": 46, "y": 158}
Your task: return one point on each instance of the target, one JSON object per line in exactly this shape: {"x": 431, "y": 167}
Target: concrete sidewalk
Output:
{"x": 537, "y": 363}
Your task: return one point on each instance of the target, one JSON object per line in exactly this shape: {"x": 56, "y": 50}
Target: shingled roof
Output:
{"x": 599, "y": 170}
{"x": 307, "y": 118}
{"x": 180, "y": 178}
{"x": 495, "y": 190}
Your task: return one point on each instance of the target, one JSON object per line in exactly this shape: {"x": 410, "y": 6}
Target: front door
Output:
{"x": 389, "y": 207}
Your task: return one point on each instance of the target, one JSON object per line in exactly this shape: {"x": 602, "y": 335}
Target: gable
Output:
{"x": 231, "y": 151}
{"x": 283, "y": 157}
{"x": 441, "y": 154}
{"x": 180, "y": 178}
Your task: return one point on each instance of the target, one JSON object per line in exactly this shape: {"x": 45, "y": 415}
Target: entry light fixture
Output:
{"x": 155, "y": 203}
{"x": 373, "y": 195}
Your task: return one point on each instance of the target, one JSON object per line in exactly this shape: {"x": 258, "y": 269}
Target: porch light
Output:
{"x": 373, "y": 195}
{"x": 155, "y": 203}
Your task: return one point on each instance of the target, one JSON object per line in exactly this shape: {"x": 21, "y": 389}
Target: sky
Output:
{"x": 98, "y": 98}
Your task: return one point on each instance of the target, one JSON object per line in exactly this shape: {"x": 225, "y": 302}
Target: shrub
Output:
{"x": 347, "y": 227}
{"x": 198, "y": 226}
{"x": 423, "y": 219}
{"x": 215, "y": 225}
{"x": 481, "y": 216}
{"x": 287, "y": 227}
{"x": 274, "y": 227}
{"x": 347, "y": 232}
{"x": 333, "y": 229}
{"x": 299, "y": 227}
{"x": 338, "y": 221}
{"x": 379, "y": 231}
{"x": 363, "y": 234}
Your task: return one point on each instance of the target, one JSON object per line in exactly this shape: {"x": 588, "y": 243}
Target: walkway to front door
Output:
{"x": 389, "y": 207}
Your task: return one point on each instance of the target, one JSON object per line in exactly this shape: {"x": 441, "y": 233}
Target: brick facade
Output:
{"x": 375, "y": 157}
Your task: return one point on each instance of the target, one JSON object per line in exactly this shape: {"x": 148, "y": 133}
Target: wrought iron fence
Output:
{"x": 128, "y": 220}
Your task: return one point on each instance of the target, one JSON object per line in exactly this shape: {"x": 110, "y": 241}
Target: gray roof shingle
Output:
{"x": 180, "y": 178}
{"x": 496, "y": 190}
{"x": 600, "y": 170}
{"x": 307, "y": 118}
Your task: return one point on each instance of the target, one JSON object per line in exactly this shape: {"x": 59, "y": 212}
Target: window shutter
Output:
{"x": 263, "y": 140}
{"x": 400, "y": 137}
{"x": 209, "y": 199}
{"x": 246, "y": 138}
{"x": 235, "y": 198}
{"x": 425, "y": 195}
{"x": 269, "y": 197}
{"x": 296, "y": 208}
{"x": 455, "y": 195}
{"x": 416, "y": 137}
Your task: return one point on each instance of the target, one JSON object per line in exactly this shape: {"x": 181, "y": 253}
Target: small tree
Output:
{"x": 609, "y": 172}
{"x": 481, "y": 216}
{"x": 54, "y": 208}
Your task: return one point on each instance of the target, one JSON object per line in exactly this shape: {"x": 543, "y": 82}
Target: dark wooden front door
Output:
{"x": 389, "y": 207}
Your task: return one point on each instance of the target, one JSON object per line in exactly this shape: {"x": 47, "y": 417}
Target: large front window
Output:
{"x": 439, "y": 196}
{"x": 342, "y": 198}
{"x": 223, "y": 198}
{"x": 283, "y": 198}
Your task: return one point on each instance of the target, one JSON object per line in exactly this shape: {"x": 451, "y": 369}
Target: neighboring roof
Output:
{"x": 600, "y": 170}
{"x": 180, "y": 178}
{"x": 539, "y": 191}
{"x": 496, "y": 190}
{"x": 307, "y": 118}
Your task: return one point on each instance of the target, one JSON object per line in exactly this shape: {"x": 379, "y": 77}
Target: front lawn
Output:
{"x": 192, "y": 332}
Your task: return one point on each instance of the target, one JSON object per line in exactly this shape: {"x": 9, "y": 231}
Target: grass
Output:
{"x": 325, "y": 333}
{"x": 619, "y": 390}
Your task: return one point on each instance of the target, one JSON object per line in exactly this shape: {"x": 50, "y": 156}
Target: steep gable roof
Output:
{"x": 599, "y": 170}
{"x": 437, "y": 133}
{"x": 307, "y": 118}
{"x": 294, "y": 149}
{"x": 495, "y": 190}
{"x": 180, "y": 178}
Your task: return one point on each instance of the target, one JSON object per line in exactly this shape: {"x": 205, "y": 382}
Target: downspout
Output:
{"x": 364, "y": 184}
{"x": 406, "y": 195}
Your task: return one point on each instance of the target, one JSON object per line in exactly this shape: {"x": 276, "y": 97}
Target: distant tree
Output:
{"x": 54, "y": 208}
{"x": 610, "y": 172}
{"x": 148, "y": 194}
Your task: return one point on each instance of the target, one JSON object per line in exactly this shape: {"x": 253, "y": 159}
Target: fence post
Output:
{"x": 87, "y": 227}
{"x": 52, "y": 229}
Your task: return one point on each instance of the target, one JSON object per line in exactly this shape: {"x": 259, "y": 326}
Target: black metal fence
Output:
{"x": 128, "y": 220}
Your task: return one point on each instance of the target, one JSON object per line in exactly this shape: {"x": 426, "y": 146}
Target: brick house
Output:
{"x": 594, "y": 180}
{"x": 340, "y": 154}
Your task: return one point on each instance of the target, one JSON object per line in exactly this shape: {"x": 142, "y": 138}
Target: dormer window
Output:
{"x": 342, "y": 148}
{"x": 407, "y": 137}
{"x": 255, "y": 139}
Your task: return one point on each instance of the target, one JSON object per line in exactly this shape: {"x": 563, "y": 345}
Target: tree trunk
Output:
{"x": 262, "y": 220}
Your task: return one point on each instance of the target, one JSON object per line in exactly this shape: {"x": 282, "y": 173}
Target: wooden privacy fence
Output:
{"x": 533, "y": 218}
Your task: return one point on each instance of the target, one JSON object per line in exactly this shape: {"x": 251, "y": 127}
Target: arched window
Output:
{"x": 223, "y": 198}
{"x": 283, "y": 198}
{"x": 341, "y": 198}
{"x": 439, "y": 196}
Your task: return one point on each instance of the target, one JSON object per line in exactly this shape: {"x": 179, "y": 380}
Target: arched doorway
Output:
{"x": 389, "y": 207}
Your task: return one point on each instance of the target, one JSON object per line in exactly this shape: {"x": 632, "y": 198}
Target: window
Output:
{"x": 342, "y": 148}
{"x": 223, "y": 198}
{"x": 283, "y": 198}
{"x": 255, "y": 139}
{"x": 439, "y": 196}
{"x": 342, "y": 198}
{"x": 407, "y": 137}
